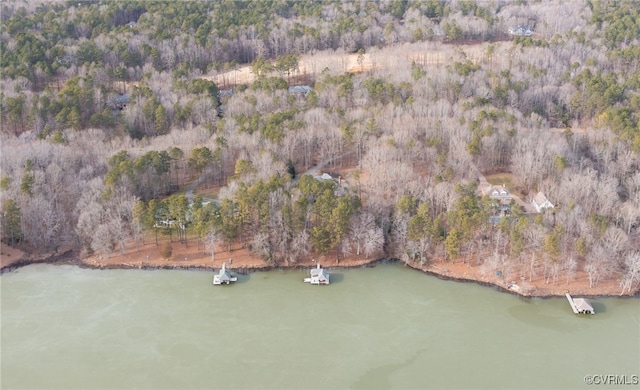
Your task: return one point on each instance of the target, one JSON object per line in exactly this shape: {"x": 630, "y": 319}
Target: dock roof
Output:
{"x": 224, "y": 274}
{"x": 583, "y": 305}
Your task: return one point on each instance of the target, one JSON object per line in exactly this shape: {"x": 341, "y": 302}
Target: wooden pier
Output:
{"x": 580, "y": 305}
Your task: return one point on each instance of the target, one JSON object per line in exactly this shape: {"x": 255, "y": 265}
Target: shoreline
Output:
{"x": 536, "y": 293}
{"x": 72, "y": 257}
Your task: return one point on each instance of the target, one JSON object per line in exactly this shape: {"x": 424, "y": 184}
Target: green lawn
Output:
{"x": 498, "y": 179}
{"x": 506, "y": 179}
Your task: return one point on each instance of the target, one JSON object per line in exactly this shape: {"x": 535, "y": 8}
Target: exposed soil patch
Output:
{"x": 423, "y": 54}
{"x": 9, "y": 255}
{"x": 192, "y": 256}
{"x": 536, "y": 287}
{"x": 12, "y": 258}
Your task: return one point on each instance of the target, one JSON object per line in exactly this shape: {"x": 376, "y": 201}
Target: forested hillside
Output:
{"x": 422, "y": 112}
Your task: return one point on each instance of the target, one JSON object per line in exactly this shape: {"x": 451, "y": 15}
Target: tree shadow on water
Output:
{"x": 336, "y": 277}
{"x": 242, "y": 278}
{"x": 599, "y": 307}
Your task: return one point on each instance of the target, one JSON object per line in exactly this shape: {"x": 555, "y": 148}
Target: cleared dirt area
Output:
{"x": 578, "y": 284}
{"x": 9, "y": 255}
{"x": 309, "y": 65}
{"x": 424, "y": 54}
{"x": 194, "y": 256}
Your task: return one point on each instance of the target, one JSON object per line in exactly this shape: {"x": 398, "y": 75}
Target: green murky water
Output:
{"x": 385, "y": 327}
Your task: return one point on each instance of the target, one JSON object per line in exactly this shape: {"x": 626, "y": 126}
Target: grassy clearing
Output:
{"x": 211, "y": 192}
{"x": 499, "y": 179}
{"x": 507, "y": 179}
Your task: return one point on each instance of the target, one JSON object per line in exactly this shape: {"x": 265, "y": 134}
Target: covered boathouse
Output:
{"x": 318, "y": 276}
{"x": 224, "y": 276}
{"x": 580, "y": 305}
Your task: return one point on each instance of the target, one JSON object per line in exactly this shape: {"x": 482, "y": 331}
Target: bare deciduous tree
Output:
{"x": 570, "y": 265}
{"x": 631, "y": 277}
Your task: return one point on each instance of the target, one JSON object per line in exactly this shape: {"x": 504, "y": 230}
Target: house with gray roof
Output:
{"x": 300, "y": 89}
{"x": 540, "y": 202}
{"x": 521, "y": 31}
{"x": 120, "y": 101}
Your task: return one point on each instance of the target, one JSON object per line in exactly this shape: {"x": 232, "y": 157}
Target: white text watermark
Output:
{"x": 610, "y": 379}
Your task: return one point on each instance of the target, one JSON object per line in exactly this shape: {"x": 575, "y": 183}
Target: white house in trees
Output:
{"x": 540, "y": 202}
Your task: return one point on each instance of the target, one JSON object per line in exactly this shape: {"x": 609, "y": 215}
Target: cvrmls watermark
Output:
{"x": 610, "y": 379}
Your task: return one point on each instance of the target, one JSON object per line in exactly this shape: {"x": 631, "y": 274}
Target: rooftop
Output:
{"x": 303, "y": 89}
{"x": 522, "y": 30}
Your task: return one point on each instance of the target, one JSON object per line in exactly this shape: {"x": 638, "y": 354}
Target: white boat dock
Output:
{"x": 318, "y": 276}
{"x": 580, "y": 305}
{"x": 224, "y": 276}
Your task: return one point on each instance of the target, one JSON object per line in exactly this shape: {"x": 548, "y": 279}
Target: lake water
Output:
{"x": 385, "y": 327}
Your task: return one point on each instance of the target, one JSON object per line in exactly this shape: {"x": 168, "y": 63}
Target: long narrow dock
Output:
{"x": 580, "y": 305}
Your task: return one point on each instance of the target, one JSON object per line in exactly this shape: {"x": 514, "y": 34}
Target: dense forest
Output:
{"x": 113, "y": 111}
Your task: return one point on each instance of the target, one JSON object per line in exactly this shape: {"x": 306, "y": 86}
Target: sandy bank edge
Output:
{"x": 71, "y": 257}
